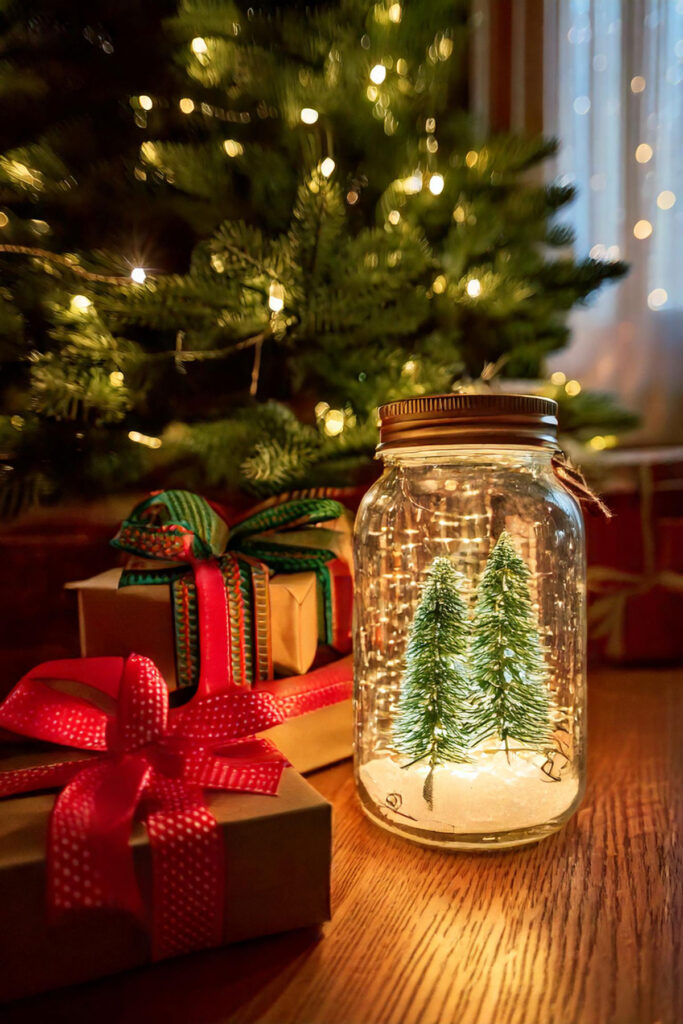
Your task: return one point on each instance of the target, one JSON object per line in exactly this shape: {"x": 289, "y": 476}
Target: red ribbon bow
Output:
{"x": 152, "y": 761}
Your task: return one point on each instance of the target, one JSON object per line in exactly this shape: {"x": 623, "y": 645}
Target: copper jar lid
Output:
{"x": 469, "y": 420}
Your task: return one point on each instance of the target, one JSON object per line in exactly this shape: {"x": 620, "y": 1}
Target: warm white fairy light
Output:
{"x": 395, "y": 13}
{"x": 471, "y": 158}
{"x": 439, "y": 285}
{"x": 146, "y": 102}
{"x": 378, "y": 74}
{"x": 573, "y": 388}
{"x": 413, "y": 184}
{"x": 637, "y": 84}
{"x": 80, "y": 303}
{"x": 276, "y": 297}
{"x": 116, "y": 379}
{"x": 327, "y": 166}
{"x": 199, "y": 45}
{"x": 657, "y": 297}
{"x": 144, "y": 439}
{"x": 333, "y": 422}
{"x": 642, "y": 229}
{"x": 558, "y": 378}
{"x": 309, "y": 115}
{"x": 4, "y": 219}
{"x": 643, "y": 153}
{"x": 474, "y": 288}
{"x": 445, "y": 48}
{"x": 394, "y": 217}
{"x": 321, "y": 408}
{"x": 666, "y": 199}
{"x": 233, "y": 148}
{"x": 138, "y": 275}
{"x": 436, "y": 184}
{"x": 602, "y": 441}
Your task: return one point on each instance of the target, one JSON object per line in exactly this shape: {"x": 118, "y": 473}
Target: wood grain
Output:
{"x": 584, "y": 927}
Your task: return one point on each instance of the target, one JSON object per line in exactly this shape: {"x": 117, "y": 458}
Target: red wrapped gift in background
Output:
{"x": 635, "y": 559}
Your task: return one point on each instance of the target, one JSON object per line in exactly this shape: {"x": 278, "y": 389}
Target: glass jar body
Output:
{"x": 506, "y": 674}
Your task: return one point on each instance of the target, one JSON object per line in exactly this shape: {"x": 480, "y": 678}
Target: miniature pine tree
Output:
{"x": 508, "y": 670}
{"x": 434, "y": 688}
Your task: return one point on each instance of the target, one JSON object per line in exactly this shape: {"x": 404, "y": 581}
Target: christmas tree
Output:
{"x": 430, "y": 722}
{"x": 297, "y": 221}
{"x": 508, "y": 670}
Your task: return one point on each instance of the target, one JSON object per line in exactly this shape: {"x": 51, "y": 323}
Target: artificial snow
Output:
{"x": 488, "y": 796}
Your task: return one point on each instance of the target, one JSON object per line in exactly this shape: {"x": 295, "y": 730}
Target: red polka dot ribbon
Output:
{"x": 147, "y": 762}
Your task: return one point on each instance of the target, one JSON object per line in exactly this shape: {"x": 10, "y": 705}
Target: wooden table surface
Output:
{"x": 586, "y": 926}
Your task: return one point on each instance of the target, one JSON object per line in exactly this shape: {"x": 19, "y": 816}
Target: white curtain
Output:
{"x": 614, "y": 97}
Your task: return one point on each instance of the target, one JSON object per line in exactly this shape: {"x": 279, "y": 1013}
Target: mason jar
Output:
{"x": 470, "y": 625}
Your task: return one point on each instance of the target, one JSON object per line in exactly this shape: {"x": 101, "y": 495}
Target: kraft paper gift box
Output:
{"x": 116, "y": 622}
{"x": 277, "y": 853}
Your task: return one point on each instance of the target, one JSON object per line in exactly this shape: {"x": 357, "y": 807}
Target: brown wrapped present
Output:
{"x": 118, "y": 622}
{"x": 277, "y": 857}
{"x": 174, "y": 830}
{"x": 139, "y": 618}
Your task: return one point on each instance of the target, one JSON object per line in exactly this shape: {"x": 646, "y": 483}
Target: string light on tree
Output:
{"x": 199, "y": 45}
{"x": 327, "y": 166}
{"x": 474, "y": 288}
{"x": 309, "y": 115}
{"x": 637, "y": 84}
{"x": 276, "y": 297}
{"x": 436, "y": 184}
{"x": 378, "y": 74}
{"x": 80, "y": 303}
{"x": 333, "y": 422}
{"x": 233, "y": 148}
{"x": 138, "y": 275}
{"x": 413, "y": 184}
{"x": 471, "y": 158}
{"x": 186, "y": 105}
{"x": 394, "y": 217}
{"x": 116, "y": 379}
{"x": 149, "y": 442}
{"x": 395, "y": 13}
{"x": 145, "y": 102}
{"x": 439, "y": 285}
{"x": 602, "y": 441}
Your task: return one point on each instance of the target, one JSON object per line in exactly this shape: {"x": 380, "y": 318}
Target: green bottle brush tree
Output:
{"x": 467, "y": 681}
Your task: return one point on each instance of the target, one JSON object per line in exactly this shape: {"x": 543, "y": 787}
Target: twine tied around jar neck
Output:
{"x": 573, "y": 480}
